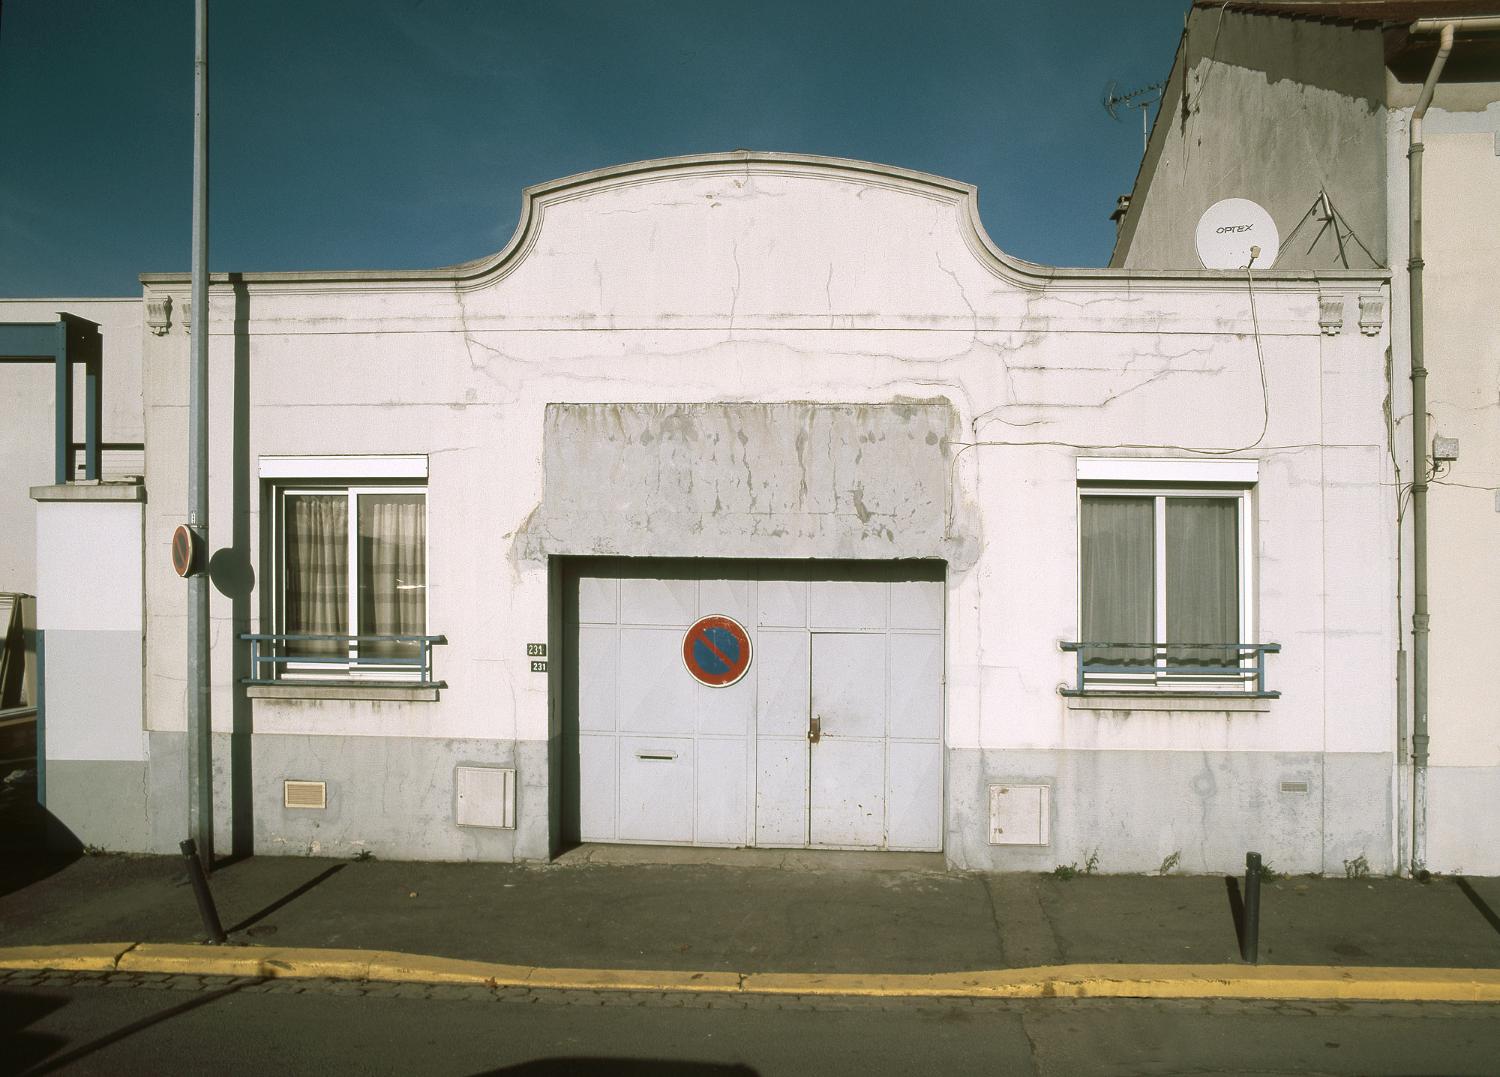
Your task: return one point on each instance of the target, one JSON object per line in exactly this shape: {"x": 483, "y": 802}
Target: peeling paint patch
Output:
{"x": 744, "y": 480}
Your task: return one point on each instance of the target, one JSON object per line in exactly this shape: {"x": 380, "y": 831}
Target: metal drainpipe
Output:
{"x": 1420, "y": 620}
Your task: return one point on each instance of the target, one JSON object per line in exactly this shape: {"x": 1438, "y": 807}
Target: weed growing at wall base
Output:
{"x": 1068, "y": 871}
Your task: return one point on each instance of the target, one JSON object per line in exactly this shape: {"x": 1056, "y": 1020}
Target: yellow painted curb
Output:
{"x": 88, "y": 957}
{"x": 634, "y": 980}
{"x": 393, "y": 967}
{"x": 1304, "y": 982}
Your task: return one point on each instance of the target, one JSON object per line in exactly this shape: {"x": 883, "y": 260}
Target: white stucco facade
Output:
{"x": 759, "y": 367}
{"x": 1296, "y": 111}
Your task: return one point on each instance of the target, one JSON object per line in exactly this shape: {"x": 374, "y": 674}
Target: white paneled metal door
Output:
{"x": 833, "y": 739}
{"x": 846, "y": 740}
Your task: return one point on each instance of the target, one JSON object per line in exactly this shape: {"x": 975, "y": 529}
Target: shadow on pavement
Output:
{"x": 1489, "y": 914}
{"x": 18, "y": 870}
{"x": 52, "y": 1065}
{"x": 257, "y": 917}
{"x": 1236, "y": 910}
{"x": 33, "y": 843}
{"x": 21, "y": 1048}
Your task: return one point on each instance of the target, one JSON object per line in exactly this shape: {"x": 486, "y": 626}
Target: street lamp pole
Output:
{"x": 199, "y": 714}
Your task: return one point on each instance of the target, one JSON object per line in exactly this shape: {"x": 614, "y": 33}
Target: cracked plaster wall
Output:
{"x": 768, "y": 298}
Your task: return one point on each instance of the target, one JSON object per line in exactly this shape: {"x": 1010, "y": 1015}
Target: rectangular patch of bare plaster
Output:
{"x": 795, "y": 480}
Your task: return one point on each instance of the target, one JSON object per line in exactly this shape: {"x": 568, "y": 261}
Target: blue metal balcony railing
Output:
{"x": 270, "y": 658}
{"x": 1166, "y": 667}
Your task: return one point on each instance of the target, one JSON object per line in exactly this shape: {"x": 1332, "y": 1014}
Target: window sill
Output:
{"x": 402, "y": 693}
{"x": 1165, "y": 701}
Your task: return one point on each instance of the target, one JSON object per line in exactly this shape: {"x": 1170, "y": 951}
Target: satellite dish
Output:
{"x": 1235, "y": 234}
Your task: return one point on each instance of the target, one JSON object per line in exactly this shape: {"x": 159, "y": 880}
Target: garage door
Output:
{"x": 831, "y": 738}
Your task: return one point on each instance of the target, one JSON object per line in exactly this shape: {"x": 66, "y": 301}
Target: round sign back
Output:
{"x": 716, "y": 651}
{"x": 186, "y": 551}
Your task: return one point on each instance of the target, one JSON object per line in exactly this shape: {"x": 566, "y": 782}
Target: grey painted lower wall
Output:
{"x": 392, "y": 796}
{"x": 1463, "y": 805}
{"x": 395, "y": 798}
{"x": 1135, "y": 809}
{"x": 101, "y": 803}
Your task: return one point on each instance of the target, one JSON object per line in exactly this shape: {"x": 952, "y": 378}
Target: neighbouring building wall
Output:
{"x": 1461, "y": 216}
{"x": 27, "y": 418}
{"x": 731, "y": 357}
{"x": 90, "y": 615}
{"x": 26, "y": 460}
{"x": 1274, "y": 110}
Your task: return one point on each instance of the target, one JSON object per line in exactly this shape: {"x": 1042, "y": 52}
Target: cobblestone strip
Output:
{"x": 45, "y": 979}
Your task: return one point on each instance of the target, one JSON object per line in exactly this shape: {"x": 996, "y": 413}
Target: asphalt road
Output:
{"x": 123, "y": 1024}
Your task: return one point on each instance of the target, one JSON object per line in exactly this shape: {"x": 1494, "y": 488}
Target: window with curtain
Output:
{"x": 1160, "y": 582}
{"x": 353, "y": 564}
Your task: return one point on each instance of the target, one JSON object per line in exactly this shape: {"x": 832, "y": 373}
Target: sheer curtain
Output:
{"x": 1203, "y": 592}
{"x": 392, "y": 571}
{"x": 317, "y": 572}
{"x": 1119, "y": 592}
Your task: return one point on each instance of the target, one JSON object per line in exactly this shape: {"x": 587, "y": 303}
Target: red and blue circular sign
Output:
{"x": 716, "y": 651}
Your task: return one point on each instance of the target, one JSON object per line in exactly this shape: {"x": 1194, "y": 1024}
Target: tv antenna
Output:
{"x": 1142, "y": 98}
{"x": 1324, "y": 210}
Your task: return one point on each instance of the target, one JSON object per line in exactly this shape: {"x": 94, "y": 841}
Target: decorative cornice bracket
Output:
{"x": 1331, "y": 314}
{"x": 159, "y": 314}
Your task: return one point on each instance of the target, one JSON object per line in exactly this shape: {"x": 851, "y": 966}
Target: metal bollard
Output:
{"x": 1249, "y": 949}
{"x": 206, "y": 910}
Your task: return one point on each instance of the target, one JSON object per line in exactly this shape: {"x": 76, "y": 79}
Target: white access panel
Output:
{"x": 484, "y": 796}
{"x": 1019, "y": 814}
{"x": 664, "y": 759}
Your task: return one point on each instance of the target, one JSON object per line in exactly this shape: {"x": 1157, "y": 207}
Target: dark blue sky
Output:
{"x": 399, "y": 133}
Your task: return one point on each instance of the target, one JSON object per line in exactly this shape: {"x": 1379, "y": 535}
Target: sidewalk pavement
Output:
{"x": 804, "y": 922}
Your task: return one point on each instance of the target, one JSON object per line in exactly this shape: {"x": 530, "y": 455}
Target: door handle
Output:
{"x": 815, "y": 729}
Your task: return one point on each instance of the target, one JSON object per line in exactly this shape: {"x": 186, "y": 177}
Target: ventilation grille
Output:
{"x": 297, "y": 794}
{"x": 484, "y": 796}
{"x": 1294, "y": 787}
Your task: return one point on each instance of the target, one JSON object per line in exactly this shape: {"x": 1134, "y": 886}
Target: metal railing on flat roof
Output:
{"x": 1170, "y": 667}
{"x": 275, "y": 658}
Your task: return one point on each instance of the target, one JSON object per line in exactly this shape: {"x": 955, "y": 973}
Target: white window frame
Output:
{"x": 1160, "y": 480}
{"x": 351, "y": 491}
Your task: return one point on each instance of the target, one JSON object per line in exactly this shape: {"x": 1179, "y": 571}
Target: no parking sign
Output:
{"x": 716, "y": 651}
